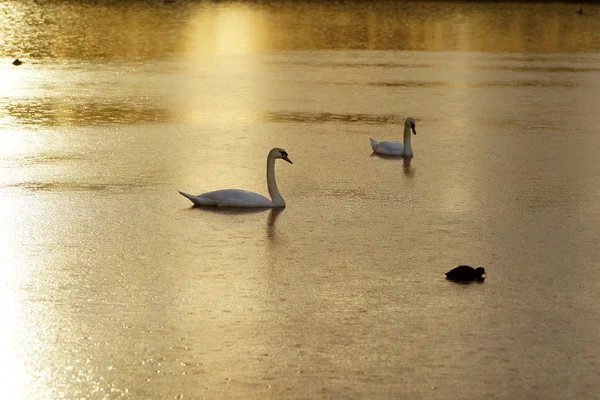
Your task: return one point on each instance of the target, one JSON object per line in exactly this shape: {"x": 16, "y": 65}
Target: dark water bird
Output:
{"x": 17, "y": 62}
{"x": 580, "y": 12}
{"x": 464, "y": 273}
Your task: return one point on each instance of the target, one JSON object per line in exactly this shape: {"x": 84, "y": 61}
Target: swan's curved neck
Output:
{"x": 272, "y": 184}
{"x": 407, "y": 151}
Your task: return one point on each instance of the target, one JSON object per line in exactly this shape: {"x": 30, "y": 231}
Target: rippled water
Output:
{"x": 111, "y": 285}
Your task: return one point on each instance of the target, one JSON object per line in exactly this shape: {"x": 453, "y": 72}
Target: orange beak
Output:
{"x": 287, "y": 159}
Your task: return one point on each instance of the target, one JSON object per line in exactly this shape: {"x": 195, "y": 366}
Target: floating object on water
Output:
{"x": 17, "y": 62}
{"x": 464, "y": 273}
{"x": 395, "y": 148}
{"x": 243, "y": 198}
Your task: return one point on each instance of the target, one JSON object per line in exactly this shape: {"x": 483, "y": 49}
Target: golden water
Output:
{"x": 111, "y": 285}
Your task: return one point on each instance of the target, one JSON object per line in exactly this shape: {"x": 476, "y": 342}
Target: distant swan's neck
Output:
{"x": 407, "y": 150}
{"x": 272, "y": 184}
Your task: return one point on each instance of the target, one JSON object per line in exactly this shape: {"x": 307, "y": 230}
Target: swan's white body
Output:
{"x": 230, "y": 198}
{"x": 395, "y": 148}
{"x": 243, "y": 198}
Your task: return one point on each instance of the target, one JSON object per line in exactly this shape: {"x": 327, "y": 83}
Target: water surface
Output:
{"x": 112, "y": 286}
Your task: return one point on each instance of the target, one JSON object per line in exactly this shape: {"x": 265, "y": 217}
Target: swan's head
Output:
{"x": 279, "y": 153}
{"x": 410, "y": 123}
{"x": 480, "y": 273}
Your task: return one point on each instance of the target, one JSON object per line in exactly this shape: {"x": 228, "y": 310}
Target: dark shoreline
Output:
{"x": 394, "y": 1}
{"x": 176, "y": 2}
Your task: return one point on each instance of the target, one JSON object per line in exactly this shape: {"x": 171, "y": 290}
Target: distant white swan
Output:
{"x": 243, "y": 198}
{"x": 395, "y": 148}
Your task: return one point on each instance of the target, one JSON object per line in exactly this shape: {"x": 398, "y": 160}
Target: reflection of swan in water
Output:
{"x": 408, "y": 171}
{"x": 386, "y": 156}
{"x": 270, "y": 229}
{"x": 229, "y": 210}
{"x": 406, "y": 166}
{"x": 394, "y": 148}
{"x": 243, "y": 198}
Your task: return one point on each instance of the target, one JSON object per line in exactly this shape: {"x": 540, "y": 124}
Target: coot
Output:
{"x": 464, "y": 273}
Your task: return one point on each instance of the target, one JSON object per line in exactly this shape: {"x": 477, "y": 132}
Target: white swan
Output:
{"x": 396, "y": 148}
{"x": 243, "y": 198}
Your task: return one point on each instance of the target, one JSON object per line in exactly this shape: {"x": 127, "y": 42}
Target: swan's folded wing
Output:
{"x": 239, "y": 198}
{"x": 390, "y": 148}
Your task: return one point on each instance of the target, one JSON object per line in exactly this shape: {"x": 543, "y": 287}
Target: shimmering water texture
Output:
{"x": 112, "y": 285}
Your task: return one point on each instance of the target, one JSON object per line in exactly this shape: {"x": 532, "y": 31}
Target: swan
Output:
{"x": 396, "y": 148}
{"x": 243, "y": 198}
{"x": 464, "y": 273}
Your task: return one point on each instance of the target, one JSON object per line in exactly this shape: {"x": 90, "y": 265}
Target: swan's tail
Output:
{"x": 374, "y": 144}
{"x": 191, "y": 197}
